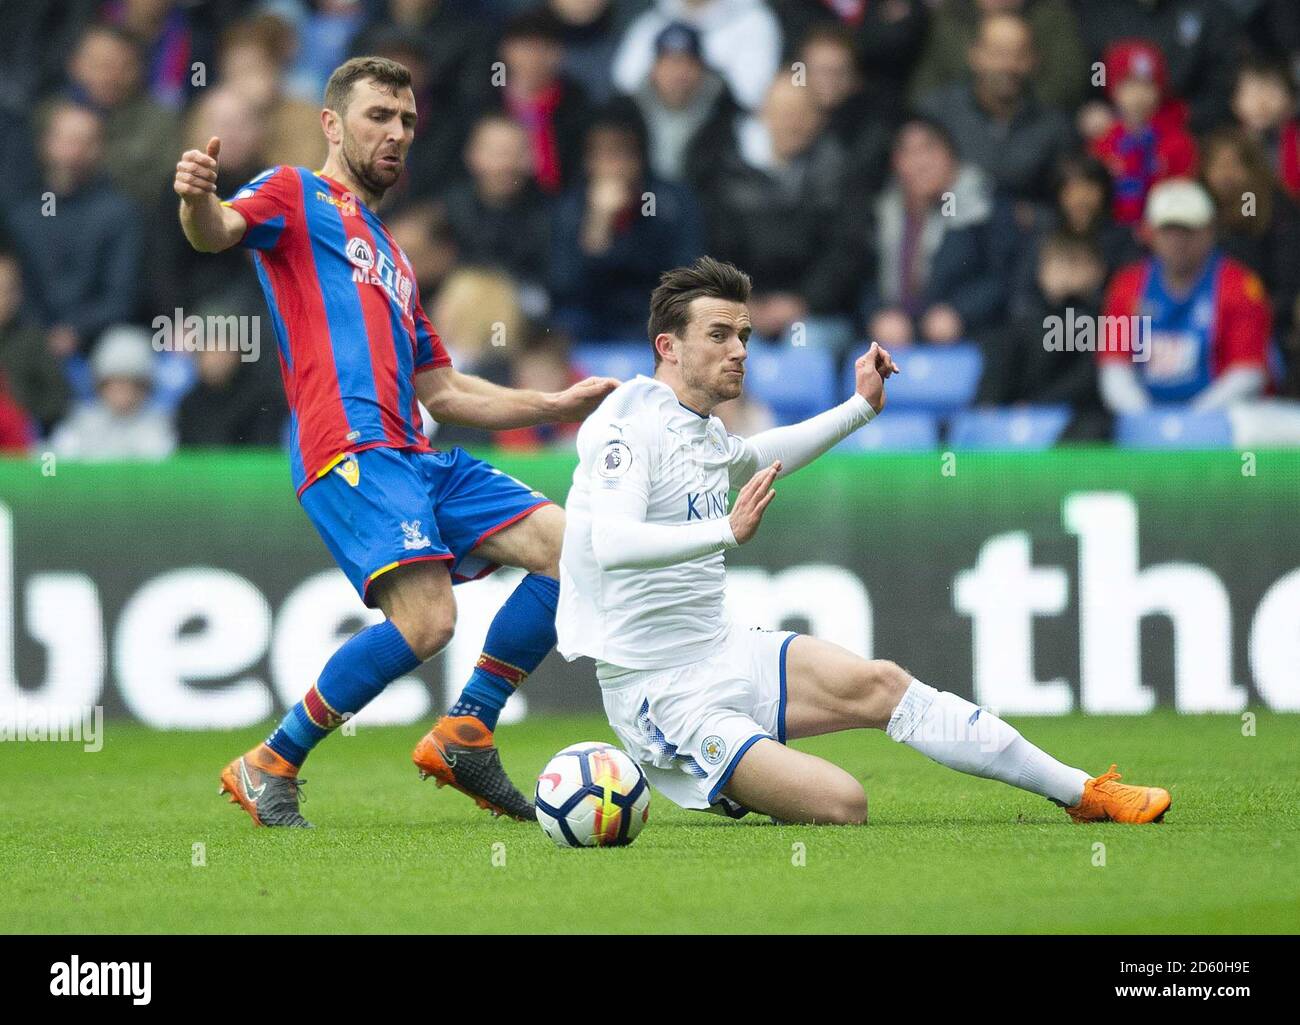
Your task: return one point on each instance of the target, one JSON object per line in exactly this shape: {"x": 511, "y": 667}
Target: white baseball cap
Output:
{"x": 123, "y": 351}
{"x": 1179, "y": 202}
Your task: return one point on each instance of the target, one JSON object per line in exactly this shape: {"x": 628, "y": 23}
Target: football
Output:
{"x": 592, "y": 795}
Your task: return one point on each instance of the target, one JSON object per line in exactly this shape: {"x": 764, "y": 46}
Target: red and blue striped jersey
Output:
{"x": 347, "y": 317}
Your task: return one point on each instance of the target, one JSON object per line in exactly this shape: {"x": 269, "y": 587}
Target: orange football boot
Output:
{"x": 266, "y": 786}
{"x": 1106, "y": 800}
{"x": 459, "y": 752}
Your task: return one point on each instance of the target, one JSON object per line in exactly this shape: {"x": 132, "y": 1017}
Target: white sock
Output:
{"x": 964, "y": 737}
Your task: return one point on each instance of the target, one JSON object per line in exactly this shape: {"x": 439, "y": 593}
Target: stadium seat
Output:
{"x": 1174, "y": 428}
{"x": 933, "y": 379}
{"x": 795, "y": 381}
{"x": 174, "y": 375}
{"x": 894, "y": 432}
{"x": 623, "y": 360}
{"x": 1027, "y": 427}
{"x": 1276, "y": 364}
{"x": 81, "y": 381}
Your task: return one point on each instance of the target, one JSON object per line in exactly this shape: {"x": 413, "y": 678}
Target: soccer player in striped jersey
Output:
{"x": 403, "y": 521}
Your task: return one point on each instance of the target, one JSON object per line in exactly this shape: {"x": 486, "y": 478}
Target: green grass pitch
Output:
{"x": 93, "y": 843}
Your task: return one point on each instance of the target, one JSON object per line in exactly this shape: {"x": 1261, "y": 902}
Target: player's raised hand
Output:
{"x": 196, "y": 172}
{"x": 578, "y": 400}
{"x": 871, "y": 369}
{"x": 754, "y": 497}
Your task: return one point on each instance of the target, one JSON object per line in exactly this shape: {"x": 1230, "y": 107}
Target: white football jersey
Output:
{"x": 641, "y": 440}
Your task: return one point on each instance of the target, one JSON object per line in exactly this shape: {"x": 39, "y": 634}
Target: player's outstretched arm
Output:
{"x": 621, "y": 539}
{"x": 209, "y": 226}
{"x": 455, "y": 398}
{"x": 797, "y": 445}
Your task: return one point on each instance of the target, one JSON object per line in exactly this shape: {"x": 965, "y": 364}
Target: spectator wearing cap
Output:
{"x": 995, "y": 118}
{"x": 552, "y": 108}
{"x": 1198, "y": 39}
{"x": 888, "y": 36}
{"x": 83, "y": 265}
{"x": 1059, "y": 76}
{"x": 1209, "y": 318}
{"x": 498, "y": 216}
{"x": 1264, "y": 104}
{"x": 141, "y": 137}
{"x": 1146, "y": 144}
{"x": 628, "y": 227}
{"x": 741, "y": 40}
{"x": 944, "y": 245}
{"x": 681, "y": 101}
{"x": 774, "y": 199}
{"x": 119, "y": 423}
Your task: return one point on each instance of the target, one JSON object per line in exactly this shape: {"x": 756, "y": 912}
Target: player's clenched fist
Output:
{"x": 871, "y": 369}
{"x": 196, "y": 172}
{"x": 753, "y": 498}
{"x": 577, "y": 401}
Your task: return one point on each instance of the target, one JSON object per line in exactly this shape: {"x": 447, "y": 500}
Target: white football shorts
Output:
{"x": 689, "y": 725}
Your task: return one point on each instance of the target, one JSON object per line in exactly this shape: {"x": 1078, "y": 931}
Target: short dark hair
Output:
{"x": 1080, "y": 165}
{"x": 931, "y": 126}
{"x": 540, "y": 25}
{"x": 706, "y": 278}
{"x": 380, "y": 70}
{"x": 829, "y": 32}
{"x": 1260, "y": 65}
{"x": 620, "y": 117}
{"x": 117, "y": 33}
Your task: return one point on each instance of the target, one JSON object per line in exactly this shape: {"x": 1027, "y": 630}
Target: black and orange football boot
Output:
{"x": 459, "y": 753}
{"x": 266, "y": 786}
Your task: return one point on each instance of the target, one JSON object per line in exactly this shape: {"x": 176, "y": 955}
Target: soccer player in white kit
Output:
{"x": 707, "y": 706}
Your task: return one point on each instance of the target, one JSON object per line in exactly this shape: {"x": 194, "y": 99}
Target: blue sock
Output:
{"x": 518, "y": 639}
{"x": 359, "y": 670}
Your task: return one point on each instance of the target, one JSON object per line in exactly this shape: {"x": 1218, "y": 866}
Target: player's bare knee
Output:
{"x": 550, "y": 567}
{"x": 427, "y": 633}
{"x": 547, "y": 554}
{"x": 846, "y": 805}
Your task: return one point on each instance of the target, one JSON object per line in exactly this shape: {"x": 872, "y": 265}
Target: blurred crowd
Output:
{"x": 920, "y": 172}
